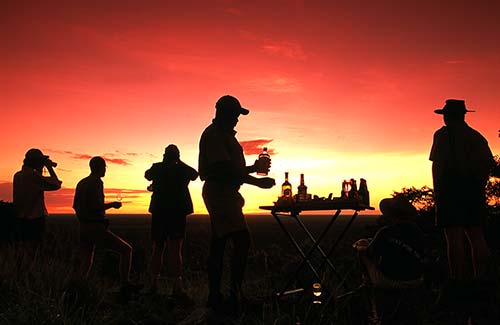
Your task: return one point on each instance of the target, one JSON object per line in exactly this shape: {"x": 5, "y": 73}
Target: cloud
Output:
{"x": 61, "y": 201}
{"x": 275, "y": 84}
{"x": 288, "y": 49}
{"x": 254, "y": 147}
{"x": 5, "y": 191}
{"x": 109, "y": 157}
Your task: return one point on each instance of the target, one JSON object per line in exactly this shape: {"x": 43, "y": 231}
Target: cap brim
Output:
{"x": 244, "y": 111}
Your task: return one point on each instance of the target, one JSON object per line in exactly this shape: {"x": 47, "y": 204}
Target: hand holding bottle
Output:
{"x": 263, "y": 164}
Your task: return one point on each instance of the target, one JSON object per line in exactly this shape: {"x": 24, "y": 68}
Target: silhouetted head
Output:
{"x": 34, "y": 158}
{"x": 172, "y": 153}
{"x": 227, "y": 111}
{"x": 98, "y": 166}
{"x": 453, "y": 111}
{"x": 398, "y": 208}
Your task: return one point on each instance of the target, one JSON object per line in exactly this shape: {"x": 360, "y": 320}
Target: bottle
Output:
{"x": 363, "y": 192}
{"x": 286, "y": 188}
{"x": 264, "y": 155}
{"x": 302, "y": 190}
{"x": 345, "y": 189}
{"x": 353, "y": 193}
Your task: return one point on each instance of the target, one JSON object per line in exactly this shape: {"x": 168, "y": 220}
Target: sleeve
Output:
{"x": 95, "y": 197}
{"x": 50, "y": 183}
{"x": 191, "y": 173}
{"x": 150, "y": 173}
{"x": 215, "y": 149}
{"x": 437, "y": 147}
{"x": 376, "y": 246}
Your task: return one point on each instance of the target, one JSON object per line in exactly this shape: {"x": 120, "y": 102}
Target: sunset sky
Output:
{"x": 336, "y": 89}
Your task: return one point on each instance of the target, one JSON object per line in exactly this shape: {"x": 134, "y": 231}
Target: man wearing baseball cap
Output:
{"x": 461, "y": 162}
{"x": 223, "y": 168}
{"x": 29, "y": 186}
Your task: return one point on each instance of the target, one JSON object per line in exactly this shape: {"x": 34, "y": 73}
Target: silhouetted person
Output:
{"x": 29, "y": 201}
{"x": 222, "y": 166}
{"x": 90, "y": 209}
{"x": 395, "y": 256}
{"x": 170, "y": 204}
{"x": 461, "y": 161}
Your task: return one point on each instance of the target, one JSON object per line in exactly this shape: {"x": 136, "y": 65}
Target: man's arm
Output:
{"x": 264, "y": 182}
{"x": 191, "y": 172}
{"x": 50, "y": 183}
{"x": 110, "y": 205}
{"x": 150, "y": 173}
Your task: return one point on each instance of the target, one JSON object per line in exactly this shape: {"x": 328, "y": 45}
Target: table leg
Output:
{"x": 318, "y": 241}
{"x": 299, "y": 249}
{"x": 339, "y": 238}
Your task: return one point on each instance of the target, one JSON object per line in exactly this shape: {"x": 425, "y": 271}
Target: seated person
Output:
{"x": 394, "y": 257}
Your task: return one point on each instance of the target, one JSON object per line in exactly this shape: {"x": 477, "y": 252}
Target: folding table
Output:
{"x": 293, "y": 209}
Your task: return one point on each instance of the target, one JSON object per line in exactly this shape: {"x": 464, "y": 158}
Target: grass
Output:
{"x": 46, "y": 289}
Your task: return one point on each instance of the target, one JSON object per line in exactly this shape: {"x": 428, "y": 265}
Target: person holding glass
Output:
{"x": 90, "y": 209}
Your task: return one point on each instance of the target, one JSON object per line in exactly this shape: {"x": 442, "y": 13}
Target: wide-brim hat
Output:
{"x": 230, "y": 105}
{"x": 398, "y": 207}
{"x": 453, "y": 106}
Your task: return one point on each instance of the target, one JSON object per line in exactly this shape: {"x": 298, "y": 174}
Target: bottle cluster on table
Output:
{"x": 350, "y": 191}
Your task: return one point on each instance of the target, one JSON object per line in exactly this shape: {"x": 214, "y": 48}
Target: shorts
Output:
{"x": 97, "y": 234}
{"x": 461, "y": 204}
{"x": 30, "y": 230}
{"x": 225, "y": 207}
{"x": 168, "y": 226}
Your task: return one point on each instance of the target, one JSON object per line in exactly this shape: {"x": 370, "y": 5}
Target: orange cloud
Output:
{"x": 254, "y": 147}
{"x": 61, "y": 201}
{"x": 107, "y": 156}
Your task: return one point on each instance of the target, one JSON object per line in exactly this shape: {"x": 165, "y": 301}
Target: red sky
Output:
{"x": 337, "y": 89}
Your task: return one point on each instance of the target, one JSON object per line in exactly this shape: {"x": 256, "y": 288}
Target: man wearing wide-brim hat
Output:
{"x": 461, "y": 162}
{"x": 394, "y": 258}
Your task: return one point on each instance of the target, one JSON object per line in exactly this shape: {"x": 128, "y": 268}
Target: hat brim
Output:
{"x": 399, "y": 208}
{"x": 244, "y": 111}
{"x": 443, "y": 111}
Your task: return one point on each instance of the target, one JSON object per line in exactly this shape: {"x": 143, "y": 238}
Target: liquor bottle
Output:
{"x": 353, "y": 193}
{"x": 363, "y": 192}
{"x": 264, "y": 155}
{"x": 346, "y": 186}
{"x": 286, "y": 188}
{"x": 302, "y": 190}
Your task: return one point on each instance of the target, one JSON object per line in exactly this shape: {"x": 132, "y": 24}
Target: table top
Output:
{"x": 311, "y": 205}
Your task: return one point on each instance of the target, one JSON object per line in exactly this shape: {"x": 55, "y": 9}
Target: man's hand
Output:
{"x": 265, "y": 182}
{"x": 262, "y": 165}
{"x": 116, "y": 205}
{"x": 361, "y": 245}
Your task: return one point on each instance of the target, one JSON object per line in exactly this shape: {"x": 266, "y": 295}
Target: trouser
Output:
{"x": 241, "y": 245}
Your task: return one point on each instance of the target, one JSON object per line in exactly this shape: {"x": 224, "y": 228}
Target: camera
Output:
{"x": 50, "y": 163}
